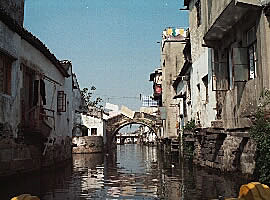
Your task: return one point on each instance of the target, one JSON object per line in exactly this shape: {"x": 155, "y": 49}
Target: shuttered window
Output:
{"x": 240, "y": 64}
{"x": 61, "y": 101}
{"x": 220, "y": 71}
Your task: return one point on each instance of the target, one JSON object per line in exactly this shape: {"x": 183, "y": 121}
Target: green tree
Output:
{"x": 260, "y": 133}
{"x": 87, "y": 95}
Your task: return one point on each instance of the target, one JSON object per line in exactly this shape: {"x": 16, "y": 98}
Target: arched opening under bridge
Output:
{"x": 114, "y": 124}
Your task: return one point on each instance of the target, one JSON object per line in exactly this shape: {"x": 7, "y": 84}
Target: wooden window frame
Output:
{"x": 61, "y": 101}
{"x": 214, "y": 62}
{"x": 252, "y": 45}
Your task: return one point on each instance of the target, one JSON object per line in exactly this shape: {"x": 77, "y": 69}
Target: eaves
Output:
{"x": 29, "y": 37}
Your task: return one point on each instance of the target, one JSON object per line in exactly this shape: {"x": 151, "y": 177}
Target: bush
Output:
{"x": 260, "y": 133}
{"x": 190, "y": 126}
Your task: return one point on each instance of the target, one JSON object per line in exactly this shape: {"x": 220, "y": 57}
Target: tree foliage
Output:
{"x": 190, "y": 126}
{"x": 87, "y": 95}
{"x": 260, "y": 132}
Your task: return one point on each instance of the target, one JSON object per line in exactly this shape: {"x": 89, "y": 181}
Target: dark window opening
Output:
{"x": 185, "y": 107}
{"x": 43, "y": 91}
{"x": 252, "y": 52}
{"x": 93, "y": 131}
{"x": 5, "y": 74}
{"x": 199, "y": 13}
{"x": 205, "y": 82}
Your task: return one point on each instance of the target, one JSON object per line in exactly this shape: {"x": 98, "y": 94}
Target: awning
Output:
{"x": 228, "y": 18}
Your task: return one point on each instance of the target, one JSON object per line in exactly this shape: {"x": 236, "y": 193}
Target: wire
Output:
{"x": 116, "y": 97}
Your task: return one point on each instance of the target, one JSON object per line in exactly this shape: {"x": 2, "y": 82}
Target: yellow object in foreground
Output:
{"x": 25, "y": 197}
{"x": 254, "y": 191}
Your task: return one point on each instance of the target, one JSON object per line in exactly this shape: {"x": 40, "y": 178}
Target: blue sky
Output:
{"x": 111, "y": 43}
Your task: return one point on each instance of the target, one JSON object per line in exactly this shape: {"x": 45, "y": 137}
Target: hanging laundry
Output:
{"x": 35, "y": 100}
{"x": 169, "y": 31}
{"x": 177, "y": 32}
{"x": 174, "y": 32}
{"x": 42, "y": 91}
{"x": 182, "y": 32}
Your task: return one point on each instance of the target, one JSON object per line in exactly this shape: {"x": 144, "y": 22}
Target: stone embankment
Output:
{"x": 226, "y": 151}
{"x": 19, "y": 158}
{"x": 87, "y": 144}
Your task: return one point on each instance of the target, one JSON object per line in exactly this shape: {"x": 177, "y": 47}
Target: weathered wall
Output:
{"x": 14, "y": 8}
{"x": 21, "y": 158}
{"x": 172, "y": 61}
{"x": 33, "y": 58}
{"x": 200, "y": 109}
{"x": 225, "y": 151}
{"x": 10, "y": 43}
{"x": 241, "y": 100}
{"x": 87, "y": 144}
{"x": 57, "y": 153}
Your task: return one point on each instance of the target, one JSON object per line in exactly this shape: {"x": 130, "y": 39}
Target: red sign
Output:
{"x": 158, "y": 89}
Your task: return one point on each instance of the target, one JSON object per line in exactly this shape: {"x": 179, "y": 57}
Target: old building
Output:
{"x": 172, "y": 60}
{"x": 230, "y": 69}
{"x": 35, "y": 98}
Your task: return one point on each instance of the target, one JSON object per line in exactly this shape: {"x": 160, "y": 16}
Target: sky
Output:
{"x": 112, "y": 44}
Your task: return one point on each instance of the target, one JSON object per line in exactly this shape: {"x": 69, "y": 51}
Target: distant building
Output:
{"x": 172, "y": 45}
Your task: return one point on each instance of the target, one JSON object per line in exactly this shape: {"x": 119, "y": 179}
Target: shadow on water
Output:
{"x": 131, "y": 172}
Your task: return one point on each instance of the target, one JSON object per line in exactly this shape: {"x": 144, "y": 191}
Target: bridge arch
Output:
{"x": 114, "y": 124}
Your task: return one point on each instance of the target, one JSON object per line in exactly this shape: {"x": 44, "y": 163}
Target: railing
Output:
{"x": 37, "y": 116}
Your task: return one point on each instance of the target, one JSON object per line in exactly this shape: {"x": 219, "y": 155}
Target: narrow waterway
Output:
{"x": 133, "y": 172}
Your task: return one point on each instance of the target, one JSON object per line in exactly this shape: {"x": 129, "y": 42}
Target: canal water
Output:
{"x": 133, "y": 172}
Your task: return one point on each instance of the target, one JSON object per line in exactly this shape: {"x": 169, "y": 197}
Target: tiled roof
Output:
{"x": 33, "y": 40}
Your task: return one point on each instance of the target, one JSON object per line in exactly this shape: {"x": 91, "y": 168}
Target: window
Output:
{"x": 5, "y": 74}
{"x": 198, "y": 8}
{"x": 61, "y": 101}
{"x": 252, "y": 52}
{"x": 220, "y": 70}
{"x": 93, "y": 131}
{"x": 205, "y": 82}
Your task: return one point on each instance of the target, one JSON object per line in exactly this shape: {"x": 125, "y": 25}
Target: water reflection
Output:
{"x": 132, "y": 172}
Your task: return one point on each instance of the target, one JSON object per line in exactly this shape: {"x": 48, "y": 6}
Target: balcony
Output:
{"x": 38, "y": 122}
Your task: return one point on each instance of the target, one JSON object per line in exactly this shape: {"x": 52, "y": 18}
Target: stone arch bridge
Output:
{"x": 114, "y": 124}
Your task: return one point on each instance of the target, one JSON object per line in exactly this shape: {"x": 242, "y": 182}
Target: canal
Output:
{"x": 133, "y": 172}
